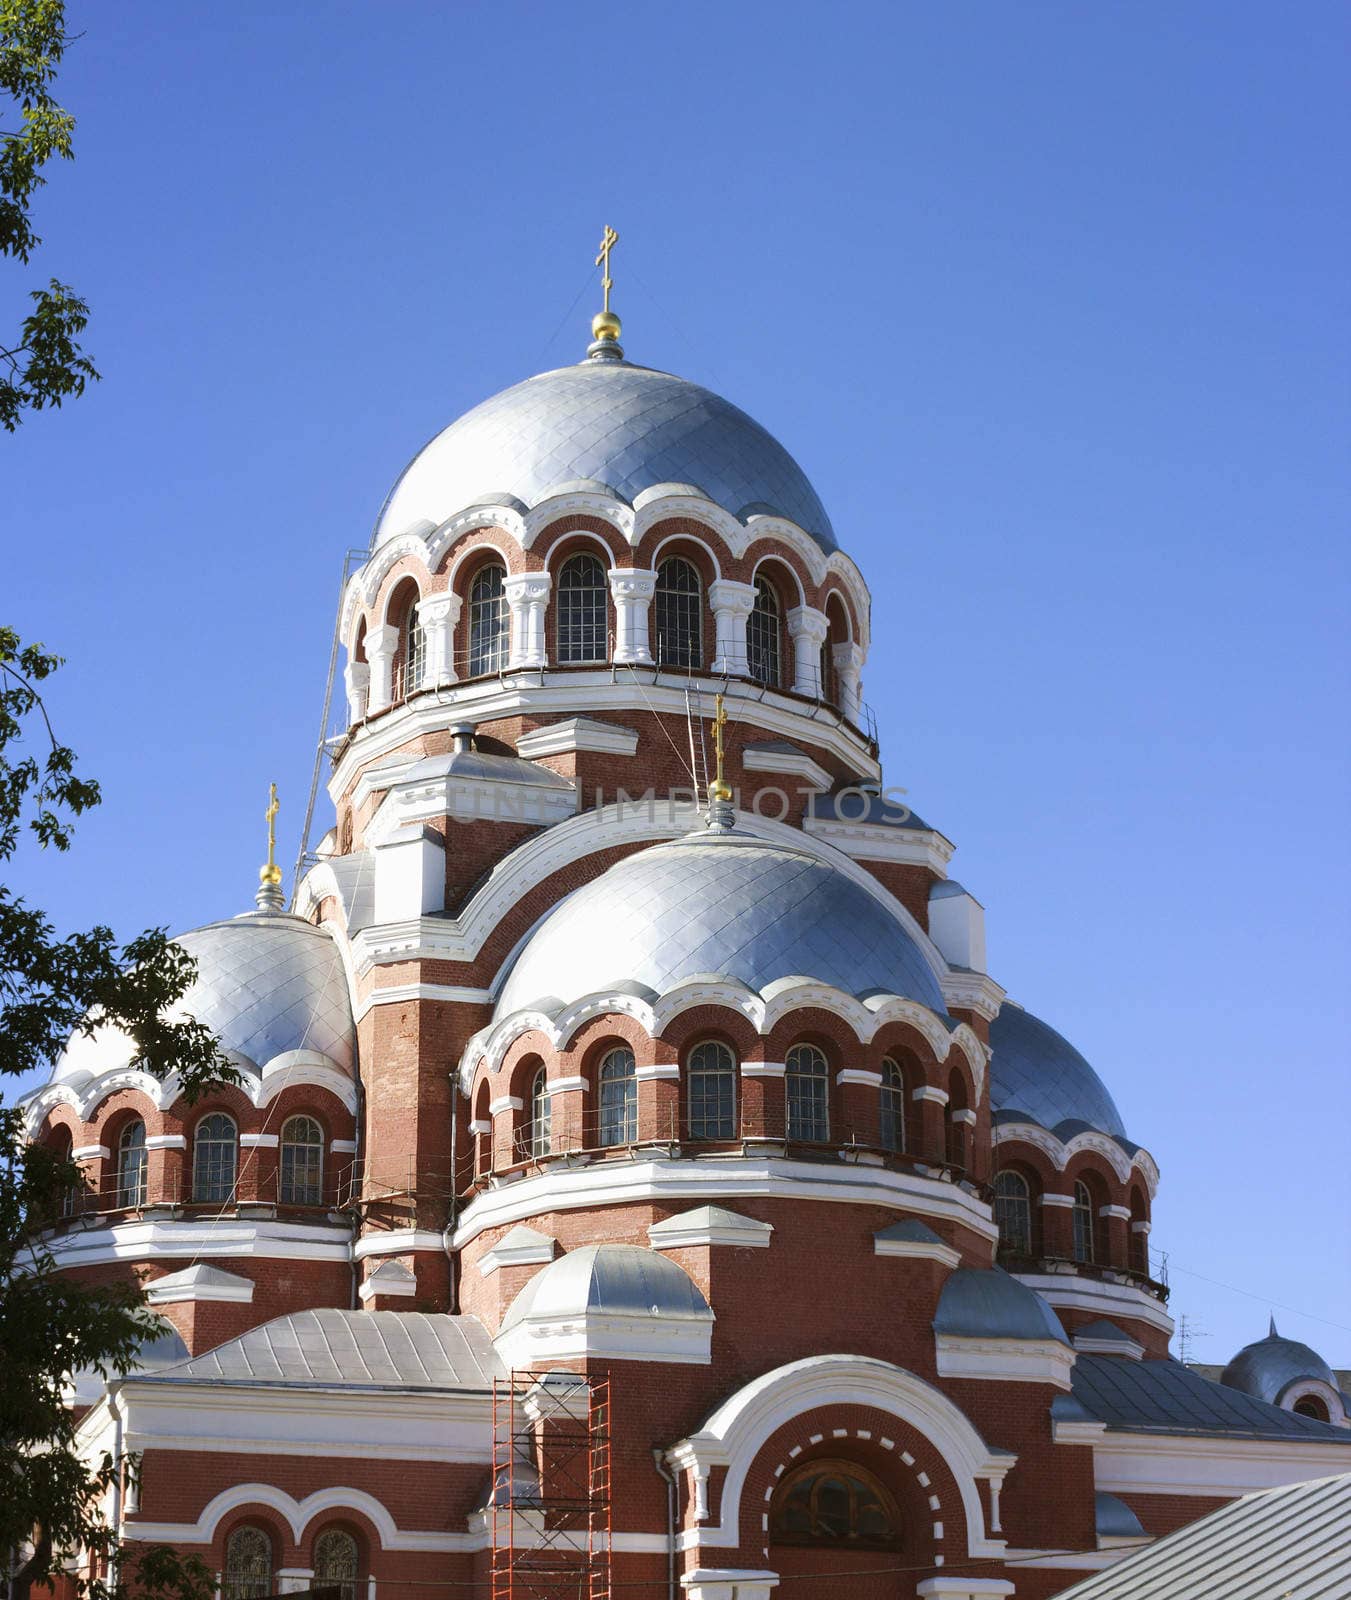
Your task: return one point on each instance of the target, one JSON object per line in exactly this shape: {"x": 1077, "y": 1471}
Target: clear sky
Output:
{"x": 1048, "y": 299}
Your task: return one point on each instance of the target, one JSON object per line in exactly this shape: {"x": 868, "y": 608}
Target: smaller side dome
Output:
{"x": 1038, "y": 1076}
{"x": 1269, "y": 1369}
{"x": 618, "y": 1300}
{"x": 986, "y": 1303}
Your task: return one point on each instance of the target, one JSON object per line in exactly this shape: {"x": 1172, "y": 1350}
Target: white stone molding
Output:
{"x": 166, "y": 1141}
{"x": 356, "y": 677}
{"x": 941, "y": 1587}
{"x": 437, "y": 616}
{"x": 884, "y": 841}
{"x": 966, "y": 1117}
{"x": 442, "y": 789}
{"x": 777, "y": 755}
{"x": 573, "y": 734}
{"x": 764, "y": 1069}
{"x": 1132, "y": 1464}
{"x": 732, "y": 603}
{"x": 1122, "y": 1213}
{"x": 849, "y": 658}
{"x": 259, "y": 1141}
{"x": 669, "y": 1070}
{"x": 678, "y": 1184}
{"x": 972, "y": 991}
{"x": 1140, "y": 1227}
{"x": 1062, "y": 1152}
{"x": 563, "y": 1085}
{"x": 439, "y": 993}
{"x": 198, "y": 1283}
{"x": 291, "y": 1580}
{"x": 736, "y": 1432}
{"x": 381, "y": 643}
{"x": 728, "y": 1583}
{"x": 342, "y": 1147}
{"x": 521, "y": 1247}
{"x": 607, "y": 1335}
{"x": 808, "y": 628}
{"x": 1120, "y": 1345}
{"x": 705, "y": 1226}
{"x": 1066, "y": 1201}
{"x": 506, "y": 1102}
{"x": 930, "y": 1092}
{"x": 916, "y": 1249}
{"x": 397, "y": 1242}
{"x": 863, "y": 1075}
{"x": 527, "y": 595}
{"x": 1073, "y": 1292}
{"x": 479, "y": 1126}
{"x": 1005, "y": 1360}
{"x": 221, "y": 1236}
{"x": 90, "y": 1152}
{"x": 632, "y": 588}
{"x": 1316, "y": 1389}
{"x": 390, "y": 1278}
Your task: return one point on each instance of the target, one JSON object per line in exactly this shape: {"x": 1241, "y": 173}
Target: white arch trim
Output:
{"x": 738, "y": 1430}
{"x": 298, "y": 1515}
{"x": 783, "y": 566}
{"x": 1063, "y": 1151}
{"x": 687, "y": 539}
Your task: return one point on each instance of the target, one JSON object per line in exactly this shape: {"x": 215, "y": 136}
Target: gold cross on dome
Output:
{"x": 271, "y": 873}
{"x": 720, "y": 789}
{"x": 607, "y": 243}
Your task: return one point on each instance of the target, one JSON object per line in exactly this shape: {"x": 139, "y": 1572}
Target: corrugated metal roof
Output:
{"x": 381, "y": 1349}
{"x": 1292, "y": 1543}
{"x": 1166, "y": 1397}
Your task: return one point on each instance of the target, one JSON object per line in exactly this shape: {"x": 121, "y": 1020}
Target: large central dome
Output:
{"x": 606, "y": 424}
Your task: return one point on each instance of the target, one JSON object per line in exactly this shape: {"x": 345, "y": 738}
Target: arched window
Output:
{"x": 1082, "y": 1216}
{"x": 582, "y": 594}
{"x": 1309, "y": 1405}
{"x": 1013, "y": 1212}
{"x": 539, "y": 1127}
{"x": 834, "y": 1503}
{"x": 808, "y": 1087}
{"x": 487, "y": 621}
{"x": 1139, "y": 1240}
{"x": 892, "y": 1106}
{"x": 336, "y": 1560}
{"x": 710, "y": 1087}
{"x": 762, "y": 635}
{"x": 69, "y": 1201}
{"x": 678, "y": 615}
{"x": 248, "y": 1565}
{"x": 131, "y": 1165}
{"x": 302, "y": 1162}
{"x": 955, "y": 1121}
{"x": 414, "y": 650}
{"x": 618, "y": 1098}
{"x": 214, "y": 1146}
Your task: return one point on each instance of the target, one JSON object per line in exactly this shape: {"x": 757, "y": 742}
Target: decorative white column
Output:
{"x": 437, "y": 616}
{"x": 732, "y": 603}
{"x": 381, "y": 643}
{"x": 728, "y": 1583}
{"x": 849, "y": 669}
{"x": 357, "y": 677}
{"x": 955, "y": 1588}
{"x": 632, "y": 589}
{"x": 808, "y": 628}
{"x": 527, "y": 594}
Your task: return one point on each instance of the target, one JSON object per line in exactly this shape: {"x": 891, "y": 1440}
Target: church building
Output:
{"x": 639, "y": 1182}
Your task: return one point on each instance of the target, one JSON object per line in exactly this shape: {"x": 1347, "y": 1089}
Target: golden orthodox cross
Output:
{"x": 610, "y": 240}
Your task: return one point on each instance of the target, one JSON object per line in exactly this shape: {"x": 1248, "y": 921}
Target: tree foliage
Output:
{"x": 45, "y": 364}
{"x": 53, "y": 1500}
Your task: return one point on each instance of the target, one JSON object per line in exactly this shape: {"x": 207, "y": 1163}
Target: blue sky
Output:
{"x": 1048, "y": 299}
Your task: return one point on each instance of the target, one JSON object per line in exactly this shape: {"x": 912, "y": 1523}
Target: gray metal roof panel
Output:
{"x": 864, "y": 805}
{"x": 730, "y": 905}
{"x": 1269, "y": 1366}
{"x": 605, "y": 424}
{"x": 620, "y": 1279}
{"x": 987, "y": 1303}
{"x": 331, "y": 1348}
{"x": 1114, "y": 1519}
{"x": 1038, "y": 1076}
{"x": 1166, "y": 1397}
{"x": 1290, "y": 1543}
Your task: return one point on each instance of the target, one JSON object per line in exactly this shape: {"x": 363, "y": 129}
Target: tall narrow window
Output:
{"x": 892, "y": 1107}
{"x": 131, "y": 1165}
{"x": 582, "y": 594}
{"x": 1013, "y": 1212}
{"x": 214, "y": 1147}
{"x": 336, "y": 1561}
{"x": 618, "y": 1098}
{"x": 710, "y": 1083}
{"x": 762, "y": 635}
{"x": 678, "y": 615}
{"x": 808, "y": 1086}
{"x": 414, "y": 643}
{"x": 487, "y": 621}
{"x": 539, "y": 1131}
{"x": 827, "y": 679}
{"x": 1083, "y": 1222}
{"x": 302, "y": 1162}
{"x": 248, "y": 1565}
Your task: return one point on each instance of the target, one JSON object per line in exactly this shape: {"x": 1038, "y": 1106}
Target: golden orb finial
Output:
{"x": 605, "y": 325}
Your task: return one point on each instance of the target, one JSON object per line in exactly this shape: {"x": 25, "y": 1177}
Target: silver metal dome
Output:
{"x": 1266, "y": 1368}
{"x": 987, "y": 1303}
{"x": 603, "y": 424}
{"x": 1038, "y": 1076}
{"x": 610, "y": 1279}
{"x": 720, "y": 903}
{"x": 266, "y": 984}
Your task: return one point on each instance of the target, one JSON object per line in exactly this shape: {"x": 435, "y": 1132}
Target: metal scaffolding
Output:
{"x": 551, "y": 1489}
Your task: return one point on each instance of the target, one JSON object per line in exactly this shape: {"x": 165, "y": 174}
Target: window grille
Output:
{"x": 302, "y": 1162}
{"x": 710, "y": 1086}
{"x": 248, "y": 1565}
{"x": 808, "y": 1086}
{"x": 893, "y": 1107}
{"x": 131, "y": 1165}
{"x": 1013, "y": 1212}
{"x": 335, "y": 1562}
{"x": 214, "y": 1149}
{"x": 581, "y": 609}
{"x": 487, "y": 621}
{"x": 678, "y": 615}
{"x": 834, "y": 1503}
{"x": 414, "y": 651}
{"x": 540, "y": 1116}
{"x": 762, "y": 635}
{"x": 618, "y": 1098}
{"x": 1083, "y": 1223}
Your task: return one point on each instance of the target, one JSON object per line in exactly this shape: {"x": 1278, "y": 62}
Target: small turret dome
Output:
{"x": 606, "y": 425}
{"x": 1268, "y": 1368}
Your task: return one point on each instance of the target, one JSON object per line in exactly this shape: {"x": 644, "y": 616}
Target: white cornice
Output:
{"x": 440, "y": 993}
{"x": 1005, "y": 1360}
{"x": 917, "y": 1250}
{"x": 397, "y": 1242}
{"x": 972, "y": 991}
{"x": 204, "y": 1238}
{"x": 1153, "y": 1463}
{"x": 885, "y": 841}
{"x": 725, "y": 1179}
{"x": 1063, "y": 1151}
{"x": 797, "y": 763}
{"x": 1071, "y": 1292}
{"x": 574, "y": 734}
